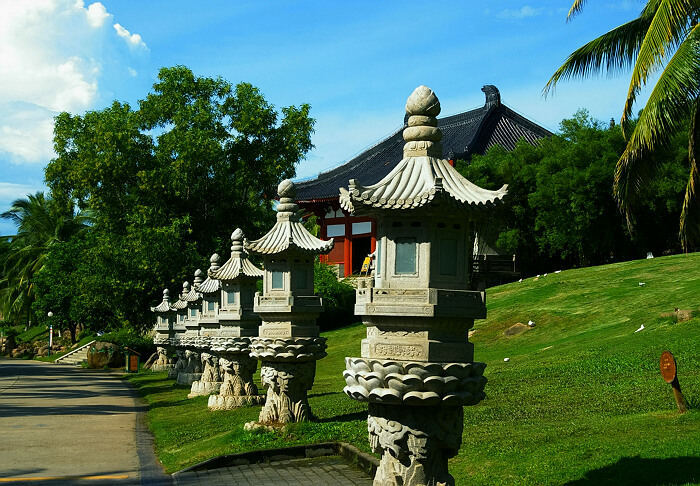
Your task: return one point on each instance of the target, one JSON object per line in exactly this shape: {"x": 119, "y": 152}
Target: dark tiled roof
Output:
{"x": 463, "y": 135}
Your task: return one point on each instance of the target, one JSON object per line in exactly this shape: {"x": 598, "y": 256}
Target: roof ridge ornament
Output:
{"x": 237, "y": 242}
{"x": 422, "y": 135}
{"x": 287, "y": 209}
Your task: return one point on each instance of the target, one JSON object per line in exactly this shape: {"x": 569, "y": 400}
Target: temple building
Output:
{"x": 464, "y": 135}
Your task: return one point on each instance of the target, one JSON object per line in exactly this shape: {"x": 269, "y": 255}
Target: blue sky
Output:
{"x": 355, "y": 62}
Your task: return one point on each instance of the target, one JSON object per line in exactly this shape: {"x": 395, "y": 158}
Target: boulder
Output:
{"x": 101, "y": 355}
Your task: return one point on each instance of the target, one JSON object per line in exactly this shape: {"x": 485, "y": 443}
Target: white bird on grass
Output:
{"x": 640, "y": 328}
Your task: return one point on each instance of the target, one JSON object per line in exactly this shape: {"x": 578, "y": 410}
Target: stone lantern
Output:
{"x": 237, "y": 325}
{"x": 208, "y": 323}
{"x": 417, "y": 369}
{"x": 164, "y": 337}
{"x": 193, "y": 299}
{"x": 288, "y": 343}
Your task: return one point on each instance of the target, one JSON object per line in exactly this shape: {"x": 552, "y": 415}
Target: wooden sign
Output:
{"x": 669, "y": 373}
{"x": 668, "y": 367}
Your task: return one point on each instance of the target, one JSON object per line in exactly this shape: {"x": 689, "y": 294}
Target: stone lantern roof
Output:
{"x": 211, "y": 284}
{"x": 181, "y": 303}
{"x": 238, "y": 265}
{"x": 423, "y": 177}
{"x": 192, "y": 295}
{"x": 164, "y": 306}
{"x": 288, "y": 233}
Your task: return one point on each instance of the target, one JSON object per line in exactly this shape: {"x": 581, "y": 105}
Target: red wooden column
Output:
{"x": 324, "y": 236}
{"x": 347, "y": 248}
{"x": 373, "y": 237}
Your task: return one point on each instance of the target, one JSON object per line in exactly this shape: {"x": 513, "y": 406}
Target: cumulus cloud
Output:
{"x": 134, "y": 40}
{"x": 521, "y": 13}
{"x": 51, "y": 53}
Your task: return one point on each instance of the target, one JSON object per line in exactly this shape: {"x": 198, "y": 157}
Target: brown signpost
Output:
{"x": 669, "y": 374}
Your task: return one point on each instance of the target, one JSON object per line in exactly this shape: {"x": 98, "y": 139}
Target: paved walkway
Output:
{"x": 320, "y": 471}
{"x": 62, "y": 425}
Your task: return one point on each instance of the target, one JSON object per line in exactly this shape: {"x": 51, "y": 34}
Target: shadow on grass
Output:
{"x": 652, "y": 472}
{"x": 348, "y": 417}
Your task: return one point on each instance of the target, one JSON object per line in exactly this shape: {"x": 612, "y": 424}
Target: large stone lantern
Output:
{"x": 164, "y": 337}
{"x": 417, "y": 368}
{"x": 288, "y": 344}
{"x": 238, "y": 279}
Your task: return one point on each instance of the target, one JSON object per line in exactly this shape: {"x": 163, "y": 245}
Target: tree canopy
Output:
{"x": 661, "y": 44}
{"x": 561, "y": 211}
{"x": 167, "y": 184}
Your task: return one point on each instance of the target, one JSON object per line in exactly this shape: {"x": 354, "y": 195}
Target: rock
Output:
{"x": 102, "y": 354}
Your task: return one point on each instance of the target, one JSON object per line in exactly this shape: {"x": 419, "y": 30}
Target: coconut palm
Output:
{"x": 665, "y": 41}
{"x": 40, "y": 223}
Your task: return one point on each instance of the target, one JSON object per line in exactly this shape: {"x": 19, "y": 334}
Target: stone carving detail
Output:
{"x": 210, "y": 381}
{"x": 180, "y": 364}
{"x": 412, "y": 383}
{"x": 287, "y": 384}
{"x": 237, "y": 388}
{"x": 289, "y": 349}
{"x": 162, "y": 363}
{"x": 193, "y": 369}
{"x": 415, "y": 443}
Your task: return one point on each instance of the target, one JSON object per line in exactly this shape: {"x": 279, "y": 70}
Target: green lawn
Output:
{"x": 580, "y": 401}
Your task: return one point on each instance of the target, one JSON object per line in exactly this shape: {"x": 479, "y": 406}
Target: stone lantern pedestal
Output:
{"x": 288, "y": 343}
{"x": 417, "y": 368}
{"x": 237, "y": 369}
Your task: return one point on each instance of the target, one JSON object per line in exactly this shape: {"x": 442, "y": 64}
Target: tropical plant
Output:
{"x": 663, "y": 40}
{"x": 41, "y": 222}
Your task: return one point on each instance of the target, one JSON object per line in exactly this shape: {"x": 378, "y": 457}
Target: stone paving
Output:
{"x": 320, "y": 471}
{"x": 74, "y": 410}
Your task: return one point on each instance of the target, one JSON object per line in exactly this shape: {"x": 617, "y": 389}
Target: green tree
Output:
{"x": 665, "y": 40}
{"x": 41, "y": 222}
{"x": 168, "y": 182}
{"x": 561, "y": 212}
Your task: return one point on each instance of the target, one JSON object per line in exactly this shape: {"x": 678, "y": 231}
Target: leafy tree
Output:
{"x": 561, "y": 212}
{"x": 41, "y": 222}
{"x": 665, "y": 40}
{"x": 169, "y": 181}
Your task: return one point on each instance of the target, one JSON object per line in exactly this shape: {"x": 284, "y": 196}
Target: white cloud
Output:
{"x": 97, "y": 15}
{"x": 26, "y": 133}
{"x": 521, "y": 13}
{"x": 10, "y": 192}
{"x": 134, "y": 40}
{"x": 52, "y": 58}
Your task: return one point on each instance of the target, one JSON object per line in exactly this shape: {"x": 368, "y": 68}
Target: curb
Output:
{"x": 363, "y": 461}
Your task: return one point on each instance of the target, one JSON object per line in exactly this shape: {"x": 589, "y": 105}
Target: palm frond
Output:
{"x": 690, "y": 215}
{"x": 575, "y": 9}
{"x": 663, "y": 115}
{"x": 669, "y": 26}
{"x": 613, "y": 52}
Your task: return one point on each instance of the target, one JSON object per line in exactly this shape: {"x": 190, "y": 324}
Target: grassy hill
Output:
{"x": 579, "y": 402}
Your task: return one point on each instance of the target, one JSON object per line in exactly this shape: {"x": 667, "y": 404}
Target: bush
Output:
{"x": 338, "y": 298}
{"x": 129, "y": 338}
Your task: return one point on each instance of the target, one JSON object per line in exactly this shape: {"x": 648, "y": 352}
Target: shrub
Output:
{"x": 338, "y": 298}
{"x": 129, "y": 338}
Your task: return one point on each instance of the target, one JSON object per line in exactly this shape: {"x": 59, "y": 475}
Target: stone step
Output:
{"x": 75, "y": 357}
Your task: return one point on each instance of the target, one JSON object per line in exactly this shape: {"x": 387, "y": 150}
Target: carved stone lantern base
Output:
{"x": 287, "y": 385}
{"x": 415, "y": 443}
{"x": 186, "y": 379}
{"x": 201, "y": 388}
{"x": 237, "y": 388}
{"x": 218, "y": 402}
{"x": 162, "y": 367}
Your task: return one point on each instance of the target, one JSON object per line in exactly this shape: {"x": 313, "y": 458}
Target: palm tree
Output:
{"x": 40, "y": 223}
{"x": 663, "y": 40}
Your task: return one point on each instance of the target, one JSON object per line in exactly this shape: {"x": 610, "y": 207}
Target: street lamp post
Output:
{"x": 50, "y": 315}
